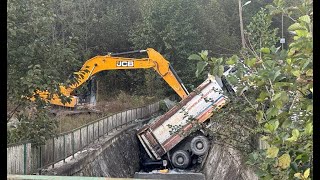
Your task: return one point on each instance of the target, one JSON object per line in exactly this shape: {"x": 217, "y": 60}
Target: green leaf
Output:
{"x": 276, "y": 74}
{"x": 268, "y": 127}
{"x": 269, "y": 63}
{"x": 289, "y": 60}
{"x": 259, "y": 116}
{"x": 310, "y": 108}
{"x": 286, "y": 123}
{"x": 306, "y": 173}
{"x": 309, "y": 72}
{"x": 250, "y": 62}
{"x": 284, "y": 161}
{"x": 265, "y": 50}
{"x": 282, "y": 84}
{"x": 271, "y": 112}
{"x": 262, "y": 96}
{"x": 272, "y": 152}
{"x": 305, "y": 18}
{"x": 295, "y": 135}
{"x": 306, "y": 63}
{"x": 276, "y": 96}
{"x": 200, "y": 67}
{"x": 281, "y": 94}
{"x": 232, "y": 60}
{"x": 296, "y": 73}
{"x": 298, "y": 175}
{"x": 205, "y": 52}
{"x": 308, "y": 129}
{"x": 294, "y": 166}
{"x": 263, "y": 138}
{"x": 302, "y": 33}
{"x": 204, "y": 55}
{"x": 284, "y": 97}
{"x": 276, "y": 125}
{"x": 296, "y": 26}
{"x": 194, "y": 57}
{"x": 271, "y": 126}
{"x": 219, "y": 61}
{"x": 220, "y": 71}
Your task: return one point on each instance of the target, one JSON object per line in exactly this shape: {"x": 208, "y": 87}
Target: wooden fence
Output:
{"x": 23, "y": 158}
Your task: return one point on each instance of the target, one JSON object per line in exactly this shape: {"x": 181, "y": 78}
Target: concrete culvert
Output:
{"x": 199, "y": 145}
{"x": 181, "y": 159}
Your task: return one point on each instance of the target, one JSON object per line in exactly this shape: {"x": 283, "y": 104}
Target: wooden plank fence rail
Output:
{"x": 24, "y": 158}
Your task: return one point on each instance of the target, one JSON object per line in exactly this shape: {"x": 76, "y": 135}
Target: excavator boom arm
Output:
{"x": 101, "y": 63}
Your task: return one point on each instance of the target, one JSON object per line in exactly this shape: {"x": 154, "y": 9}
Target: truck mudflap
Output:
{"x": 156, "y": 137}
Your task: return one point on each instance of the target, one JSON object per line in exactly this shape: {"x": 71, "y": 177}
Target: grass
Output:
{"x": 68, "y": 123}
{"x": 107, "y": 107}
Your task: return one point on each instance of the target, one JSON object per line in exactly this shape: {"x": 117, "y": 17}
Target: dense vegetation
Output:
{"x": 274, "y": 101}
{"x": 50, "y": 39}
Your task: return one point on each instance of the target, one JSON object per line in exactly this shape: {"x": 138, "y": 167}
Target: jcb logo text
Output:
{"x": 125, "y": 64}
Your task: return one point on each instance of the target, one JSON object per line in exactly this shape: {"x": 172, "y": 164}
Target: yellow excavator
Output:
{"x": 111, "y": 62}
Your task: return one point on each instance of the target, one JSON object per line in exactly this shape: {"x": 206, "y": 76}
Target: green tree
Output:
{"x": 37, "y": 60}
{"x": 219, "y": 25}
{"x": 259, "y": 31}
{"x": 170, "y": 27}
{"x": 277, "y": 106}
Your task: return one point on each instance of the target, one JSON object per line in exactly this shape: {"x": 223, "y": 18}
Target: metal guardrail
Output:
{"x": 36, "y": 177}
{"x": 24, "y": 158}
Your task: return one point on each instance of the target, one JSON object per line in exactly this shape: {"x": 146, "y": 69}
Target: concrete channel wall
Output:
{"x": 114, "y": 156}
{"x": 119, "y": 158}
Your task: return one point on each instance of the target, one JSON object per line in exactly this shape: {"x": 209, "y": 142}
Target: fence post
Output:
{"x": 103, "y": 127}
{"x": 121, "y": 120}
{"x": 80, "y": 139}
{"x": 25, "y": 158}
{"x": 72, "y": 143}
{"x": 98, "y": 130}
{"x": 92, "y": 132}
{"x": 53, "y": 152}
{"x": 64, "y": 148}
{"x": 136, "y": 109}
{"x": 107, "y": 125}
{"x": 40, "y": 159}
{"x": 141, "y": 112}
{"x": 116, "y": 121}
{"x": 136, "y": 115}
{"x": 126, "y": 117}
{"x": 112, "y": 122}
{"x": 87, "y": 135}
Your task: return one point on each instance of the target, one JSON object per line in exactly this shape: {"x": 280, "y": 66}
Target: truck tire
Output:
{"x": 199, "y": 145}
{"x": 181, "y": 159}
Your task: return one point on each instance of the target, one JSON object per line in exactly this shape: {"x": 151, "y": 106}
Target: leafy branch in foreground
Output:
{"x": 278, "y": 104}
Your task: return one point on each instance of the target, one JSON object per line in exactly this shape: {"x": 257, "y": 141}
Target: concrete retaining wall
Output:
{"x": 225, "y": 163}
{"x": 119, "y": 159}
{"x": 117, "y": 156}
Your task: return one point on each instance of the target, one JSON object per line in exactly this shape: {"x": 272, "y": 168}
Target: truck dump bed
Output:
{"x": 199, "y": 105}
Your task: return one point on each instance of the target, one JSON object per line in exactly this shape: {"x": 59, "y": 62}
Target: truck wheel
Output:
{"x": 181, "y": 159}
{"x": 199, "y": 145}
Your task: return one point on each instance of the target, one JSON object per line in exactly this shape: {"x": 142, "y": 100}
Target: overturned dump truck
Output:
{"x": 161, "y": 143}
